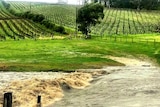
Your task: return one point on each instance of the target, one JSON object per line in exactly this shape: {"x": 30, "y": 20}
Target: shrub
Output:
{"x": 157, "y": 28}
{"x": 38, "y": 17}
{"x": 59, "y": 29}
{"x": 48, "y": 24}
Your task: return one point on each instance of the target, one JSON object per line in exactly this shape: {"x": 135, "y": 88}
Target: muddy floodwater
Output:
{"x": 7, "y": 77}
{"x": 135, "y": 85}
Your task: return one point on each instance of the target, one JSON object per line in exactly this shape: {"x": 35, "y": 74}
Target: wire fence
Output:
{"x": 131, "y": 39}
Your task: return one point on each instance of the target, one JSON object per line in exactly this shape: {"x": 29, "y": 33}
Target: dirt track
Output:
{"x": 135, "y": 85}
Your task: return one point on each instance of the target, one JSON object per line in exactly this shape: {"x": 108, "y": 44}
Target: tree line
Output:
{"x": 133, "y": 4}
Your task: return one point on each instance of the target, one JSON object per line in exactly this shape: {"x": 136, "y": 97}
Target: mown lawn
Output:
{"x": 68, "y": 55}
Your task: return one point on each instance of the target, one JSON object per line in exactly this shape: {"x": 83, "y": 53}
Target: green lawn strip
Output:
{"x": 136, "y": 49}
{"x": 64, "y": 65}
{"x": 54, "y": 55}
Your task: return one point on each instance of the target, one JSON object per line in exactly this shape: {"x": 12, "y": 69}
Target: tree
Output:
{"x": 95, "y": 1}
{"x": 150, "y": 4}
{"x": 100, "y": 1}
{"x": 105, "y": 3}
{"x": 136, "y": 3}
{"x": 89, "y": 15}
{"x": 157, "y": 28}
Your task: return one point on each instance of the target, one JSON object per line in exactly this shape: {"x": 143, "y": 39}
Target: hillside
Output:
{"x": 64, "y": 15}
{"x": 116, "y": 21}
{"x": 16, "y": 28}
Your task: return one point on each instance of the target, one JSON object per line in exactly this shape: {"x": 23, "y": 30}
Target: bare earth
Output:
{"x": 135, "y": 85}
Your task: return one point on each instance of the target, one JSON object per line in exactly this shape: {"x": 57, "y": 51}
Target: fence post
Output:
{"x": 115, "y": 38}
{"x": 154, "y": 42}
{"x": 147, "y": 41}
{"x": 7, "y": 101}
{"x": 126, "y": 39}
{"x": 39, "y": 101}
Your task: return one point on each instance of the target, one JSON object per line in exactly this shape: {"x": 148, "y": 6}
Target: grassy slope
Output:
{"x": 29, "y": 55}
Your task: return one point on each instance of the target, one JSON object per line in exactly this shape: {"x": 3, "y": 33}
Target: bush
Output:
{"x": 38, "y": 17}
{"x": 157, "y": 28}
{"x": 26, "y": 14}
{"x": 59, "y": 29}
{"x": 48, "y": 24}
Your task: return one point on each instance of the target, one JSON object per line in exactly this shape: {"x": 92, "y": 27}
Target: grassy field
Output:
{"x": 68, "y": 55}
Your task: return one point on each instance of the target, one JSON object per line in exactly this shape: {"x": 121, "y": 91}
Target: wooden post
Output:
{"x": 39, "y": 101}
{"x": 115, "y": 38}
{"x": 126, "y": 39}
{"x": 7, "y": 102}
{"x": 154, "y": 42}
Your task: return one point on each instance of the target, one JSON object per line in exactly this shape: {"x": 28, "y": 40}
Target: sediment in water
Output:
{"x": 25, "y": 92}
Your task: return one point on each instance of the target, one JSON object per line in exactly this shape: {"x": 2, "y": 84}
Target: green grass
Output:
{"x": 68, "y": 55}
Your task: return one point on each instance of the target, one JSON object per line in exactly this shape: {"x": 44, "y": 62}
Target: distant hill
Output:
{"x": 62, "y": 1}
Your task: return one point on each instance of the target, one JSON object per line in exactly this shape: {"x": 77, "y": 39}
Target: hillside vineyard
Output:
{"x": 115, "y": 22}
{"x": 16, "y": 28}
